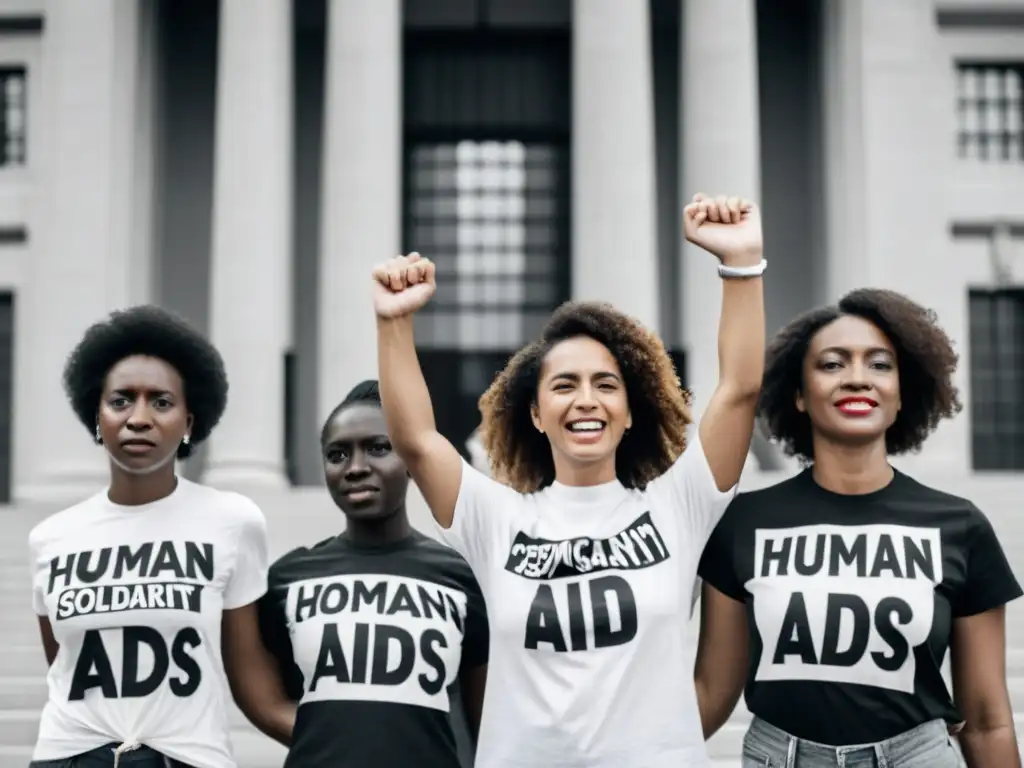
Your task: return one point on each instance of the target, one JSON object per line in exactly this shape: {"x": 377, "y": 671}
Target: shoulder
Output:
{"x": 298, "y": 563}
{"x": 910, "y": 489}
{"x": 753, "y": 503}
{"x": 66, "y": 524}
{"x": 441, "y": 563}
{"x": 947, "y": 508}
{"x": 227, "y": 505}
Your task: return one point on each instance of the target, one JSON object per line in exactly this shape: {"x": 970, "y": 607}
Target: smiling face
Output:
{"x": 142, "y": 417}
{"x": 851, "y": 383}
{"x": 365, "y": 477}
{"x": 581, "y": 404}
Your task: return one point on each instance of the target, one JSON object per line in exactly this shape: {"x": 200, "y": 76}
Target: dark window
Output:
{"x": 990, "y": 111}
{"x": 487, "y": 199}
{"x": 997, "y": 378}
{"x": 13, "y": 117}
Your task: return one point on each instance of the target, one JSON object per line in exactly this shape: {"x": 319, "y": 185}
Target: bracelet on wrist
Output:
{"x": 742, "y": 273}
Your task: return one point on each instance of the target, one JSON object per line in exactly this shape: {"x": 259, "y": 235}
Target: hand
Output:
{"x": 402, "y": 285}
{"x": 729, "y": 228}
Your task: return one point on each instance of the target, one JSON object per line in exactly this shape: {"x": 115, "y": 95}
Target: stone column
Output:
{"x": 889, "y": 112}
{"x": 614, "y": 233}
{"x": 361, "y": 208}
{"x": 88, "y": 231}
{"x": 720, "y": 155}
{"x": 252, "y": 243}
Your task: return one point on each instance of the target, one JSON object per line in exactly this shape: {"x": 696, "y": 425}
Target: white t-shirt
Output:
{"x": 588, "y": 597}
{"x": 135, "y": 597}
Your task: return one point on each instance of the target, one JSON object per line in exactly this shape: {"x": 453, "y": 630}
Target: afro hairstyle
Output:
{"x": 154, "y": 332}
{"x": 521, "y": 456}
{"x": 924, "y": 356}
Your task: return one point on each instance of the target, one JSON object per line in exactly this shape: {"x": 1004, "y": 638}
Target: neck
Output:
{"x": 581, "y": 475}
{"x": 377, "y": 533}
{"x": 851, "y": 470}
{"x": 134, "y": 490}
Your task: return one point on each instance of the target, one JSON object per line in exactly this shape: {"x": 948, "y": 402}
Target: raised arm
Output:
{"x": 730, "y": 229}
{"x": 401, "y": 287}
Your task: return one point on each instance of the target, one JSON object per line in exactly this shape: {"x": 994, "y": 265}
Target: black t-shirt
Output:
{"x": 371, "y": 642}
{"x": 850, "y": 601}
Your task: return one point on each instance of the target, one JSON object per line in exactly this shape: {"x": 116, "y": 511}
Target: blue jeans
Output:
{"x": 103, "y": 757}
{"x": 927, "y": 746}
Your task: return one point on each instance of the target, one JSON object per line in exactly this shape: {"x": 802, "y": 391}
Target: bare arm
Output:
{"x": 721, "y": 667}
{"x": 731, "y": 230}
{"x": 473, "y": 682}
{"x": 50, "y": 644}
{"x": 254, "y": 676}
{"x": 433, "y": 462}
{"x": 978, "y": 655}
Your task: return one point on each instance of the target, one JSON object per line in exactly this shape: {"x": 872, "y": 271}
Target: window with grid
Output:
{"x": 488, "y": 213}
{"x": 990, "y": 111}
{"x": 487, "y": 125}
{"x": 997, "y": 378}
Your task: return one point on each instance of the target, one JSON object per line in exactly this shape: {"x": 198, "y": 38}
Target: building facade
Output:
{"x": 246, "y": 163}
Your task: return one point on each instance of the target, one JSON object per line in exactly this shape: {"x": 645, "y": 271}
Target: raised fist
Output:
{"x": 402, "y": 285}
{"x": 727, "y": 227}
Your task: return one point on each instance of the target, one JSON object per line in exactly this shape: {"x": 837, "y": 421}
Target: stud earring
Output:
{"x": 185, "y": 440}
{"x": 99, "y": 437}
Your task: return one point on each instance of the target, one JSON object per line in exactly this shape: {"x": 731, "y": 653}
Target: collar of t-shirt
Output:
{"x": 585, "y": 495}
{"x": 345, "y": 542}
{"x": 898, "y": 482}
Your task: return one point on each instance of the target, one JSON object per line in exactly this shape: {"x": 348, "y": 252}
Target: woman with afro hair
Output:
{"x": 586, "y": 543}
{"x": 845, "y": 585}
{"x": 136, "y": 586}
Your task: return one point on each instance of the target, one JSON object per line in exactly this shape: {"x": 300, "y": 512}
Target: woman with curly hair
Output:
{"x": 135, "y": 587}
{"x": 587, "y": 549}
{"x": 845, "y": 585}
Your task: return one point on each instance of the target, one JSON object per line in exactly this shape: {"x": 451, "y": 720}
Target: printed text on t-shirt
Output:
{"x": 581, "y": 603}
{"x": 153, "y": 576}
{"x": 376, "y": 638}
{"x": 844, "y": 604}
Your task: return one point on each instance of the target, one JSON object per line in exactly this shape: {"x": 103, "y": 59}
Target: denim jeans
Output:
{"x": 106, "y": 757}
{"x": 927, "y": 746}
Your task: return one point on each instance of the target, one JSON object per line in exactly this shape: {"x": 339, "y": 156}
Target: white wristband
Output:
{"x": 740, "y": 273}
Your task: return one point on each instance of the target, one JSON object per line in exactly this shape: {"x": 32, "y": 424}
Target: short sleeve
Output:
{"x": 990, "y": 582}
{"x": 277, "y": 640}
{"x": 249, "y": 577}
{"x": 476, "y": 640}
{"x": 689, "y": 488}
{"x": 717, "y": 563}
{"x": 38, "y": 596}
{"x": 481, "y": 519}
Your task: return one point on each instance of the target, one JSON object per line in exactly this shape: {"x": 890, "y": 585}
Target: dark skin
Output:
{"x": 142, "y": 418}
{"x": 851, "y": 357}
{"x": 368, "y": 482}
{"x": 357, "y": 453}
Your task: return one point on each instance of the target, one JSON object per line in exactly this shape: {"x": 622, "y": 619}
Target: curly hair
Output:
{"x": 154, "y": 332}
{"x": 924, "y": 355}
{"x": 521, "y": 456}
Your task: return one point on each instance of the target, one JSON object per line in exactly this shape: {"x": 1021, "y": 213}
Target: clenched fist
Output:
{"x": 726, "y": 227}
{"x": 402, "y": 285}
